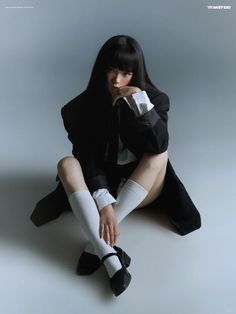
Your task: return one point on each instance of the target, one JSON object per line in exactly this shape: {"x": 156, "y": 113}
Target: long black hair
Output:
{"x": 122, "y": 52}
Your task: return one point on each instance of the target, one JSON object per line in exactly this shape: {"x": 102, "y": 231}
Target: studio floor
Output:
{"x": 47, "y": 54}
{"x": 171, "y": 274}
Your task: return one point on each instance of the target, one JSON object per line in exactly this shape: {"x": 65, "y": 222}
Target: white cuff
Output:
{"x": 139, "y": 102}
{"x": 103, "y": 198}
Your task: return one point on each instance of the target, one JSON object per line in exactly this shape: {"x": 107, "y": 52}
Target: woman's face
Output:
{"x": 117, "y": 78}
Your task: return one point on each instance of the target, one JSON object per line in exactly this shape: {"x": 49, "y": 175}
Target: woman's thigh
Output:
{"x": 155, "y": 191}
{"x": 158, "y": 184}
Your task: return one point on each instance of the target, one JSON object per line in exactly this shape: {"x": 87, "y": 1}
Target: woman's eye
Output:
{"x": 109, "y": 69}
{"x": 127, "y": 73}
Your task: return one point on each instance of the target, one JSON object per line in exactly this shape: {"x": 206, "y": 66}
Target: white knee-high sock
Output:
{"x": 130, "y": 196}
{"x": 85, "y": 210}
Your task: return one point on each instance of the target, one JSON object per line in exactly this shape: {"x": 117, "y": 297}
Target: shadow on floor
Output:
{"x": 61, "y": 241}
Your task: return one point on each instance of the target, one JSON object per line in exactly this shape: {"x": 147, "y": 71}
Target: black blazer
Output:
{"x": 88, "y": 122}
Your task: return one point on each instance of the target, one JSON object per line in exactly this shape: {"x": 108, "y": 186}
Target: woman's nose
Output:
{"x": 116, "y": 79}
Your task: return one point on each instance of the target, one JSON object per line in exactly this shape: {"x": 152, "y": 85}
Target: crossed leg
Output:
{"x": 150, "y": 174}
{"x": 85, "y": 210}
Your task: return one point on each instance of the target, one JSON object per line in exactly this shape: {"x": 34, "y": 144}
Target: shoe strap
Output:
{"x": 107, "y": 256}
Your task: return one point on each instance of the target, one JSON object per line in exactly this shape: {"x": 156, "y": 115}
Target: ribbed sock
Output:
{"x": 130, "y": 196}
{"x": 85, "y": 210}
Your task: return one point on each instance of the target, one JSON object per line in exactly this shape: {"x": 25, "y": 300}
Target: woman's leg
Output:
{"x": 85, "y": 209}
{"x": 70, "y": 174}
{"x": 150, "y": 173}
{"x": 143, "y": 186}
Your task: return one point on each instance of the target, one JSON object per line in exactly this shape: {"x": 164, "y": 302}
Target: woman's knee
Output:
{"x": 68, "y": 165}
{"x": 154, "y": 161}
{"x": 70, "y": 173}
{"x": 66, "y": 162}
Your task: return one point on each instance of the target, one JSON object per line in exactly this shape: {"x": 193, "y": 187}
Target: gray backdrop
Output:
{"x": 46, "y": 56}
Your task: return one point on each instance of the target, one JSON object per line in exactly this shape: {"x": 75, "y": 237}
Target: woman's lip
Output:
{"x": 115, "y": 87}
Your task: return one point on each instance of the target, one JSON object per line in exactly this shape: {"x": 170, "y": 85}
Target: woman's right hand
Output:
{"x": 123, "y": 91}
{"x": 108, "y": 229}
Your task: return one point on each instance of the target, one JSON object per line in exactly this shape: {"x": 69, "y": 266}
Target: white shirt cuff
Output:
{"x": 139, "y": 102}
{"x": 103, "y": 198}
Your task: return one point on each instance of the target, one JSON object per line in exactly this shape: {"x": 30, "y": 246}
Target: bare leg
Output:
{"x": 71, "y": 175}
{"x": 150, "y": 174}
{"x": 85, "y": 210}
{"x": 147, "y": 179}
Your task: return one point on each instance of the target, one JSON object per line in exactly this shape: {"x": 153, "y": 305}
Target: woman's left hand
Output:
{"x": 123, "y": 91}
{"x": 108, "y": 229}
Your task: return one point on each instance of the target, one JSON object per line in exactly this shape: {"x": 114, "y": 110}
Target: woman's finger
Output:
{"x": 112, "y": 235}
{"x": 107, "y": 234}
{"x": 116, "y": 234}
{"x": 101, "y": 230}
{"x": 115, "y": 100}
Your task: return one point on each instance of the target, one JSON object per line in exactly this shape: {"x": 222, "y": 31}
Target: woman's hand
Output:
{"x": 109, "y": 229}
{"x": 123, "y": 91}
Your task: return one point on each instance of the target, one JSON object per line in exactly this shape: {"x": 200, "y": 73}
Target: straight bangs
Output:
{"x": 124, "y": 53}
{"x": 123, "y": 59}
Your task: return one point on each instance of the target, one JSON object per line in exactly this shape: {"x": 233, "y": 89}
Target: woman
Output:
{"x": 118, "y": 128}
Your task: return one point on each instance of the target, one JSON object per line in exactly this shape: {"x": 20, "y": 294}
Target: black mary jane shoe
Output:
{"x": 120, "y": 281}
{"x": 88, "y": 263}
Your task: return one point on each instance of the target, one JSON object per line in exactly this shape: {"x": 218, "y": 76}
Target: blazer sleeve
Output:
{"x": 152, "y": 125}
{"x": 85, "y": 150}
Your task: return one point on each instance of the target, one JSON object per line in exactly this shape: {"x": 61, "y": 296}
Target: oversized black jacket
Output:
{"x": 88, "y": 122}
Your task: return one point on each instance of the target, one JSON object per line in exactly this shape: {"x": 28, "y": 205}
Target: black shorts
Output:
{"x": 115, "y": 174}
